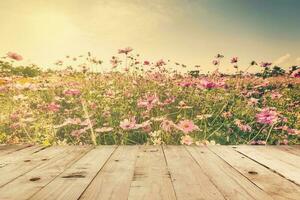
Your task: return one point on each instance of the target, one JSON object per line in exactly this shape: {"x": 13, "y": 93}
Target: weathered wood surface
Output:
{"x": 149, "y": 172}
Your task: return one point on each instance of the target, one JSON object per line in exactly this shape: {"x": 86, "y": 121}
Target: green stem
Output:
{"x": 257, "y": 133}
{"x": 93, "y": 136}
{"x": 269, "y": 133}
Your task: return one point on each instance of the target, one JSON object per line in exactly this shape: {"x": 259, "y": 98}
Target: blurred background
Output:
{"x": 185, "y": 31}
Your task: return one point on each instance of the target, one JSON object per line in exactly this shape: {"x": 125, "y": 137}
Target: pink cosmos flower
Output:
{"x": 284, "y": 128}
{"x": 207, "y": 84}
{"x": 227, "y": 114}
{"x": 220, "y": 84}
{"x": 87, "y": 122}
{"x": 267, "y": 116}
{"x": 146, "y": 62}
{"x": 149, "y": 101}
{"x": 145, "y": 126}
{"x": 14, "y": 56}
{"x": 125, "y": 50}
{"x": 167, "y": 125}
{"x": 296, "y": 73}
{"x": 276, "y": 95}
{"x": 234, "y": 60}
{"x": 93, "y": 105}
{"x": 252, "y": 101}
{"x": 53, "y": 107}
{"x": 128, "y": 124}
{"x": 109, "y": 93}
{"x": 293, "y": 131}
{"x": 160, "y": 63}
{"x": 74, "y": 121}
{"x": 185, "y": 83}
{"x": 290, "y": 131}
{"x": 115, "y": 61}
{"x": 243, "y": 127}
{"x": 215, "y": 62}
{"x": 169, "y": 100}
{"x": 78, "y": 133}
{"x": 187, "y": 140}
{"x": 249, "y": 93}
{"x": 187, "y": 126}
{"x": 106, "y": 114}
{"x": 14, "y": 116}
{"x": 72, "y": 92}
{"x": 265, "y": 64}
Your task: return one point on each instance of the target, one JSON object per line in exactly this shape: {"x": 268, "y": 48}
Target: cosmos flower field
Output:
{"x": 144, "y": 102}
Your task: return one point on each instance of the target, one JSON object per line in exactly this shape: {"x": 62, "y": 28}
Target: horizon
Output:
{"x": 188, "y": 32}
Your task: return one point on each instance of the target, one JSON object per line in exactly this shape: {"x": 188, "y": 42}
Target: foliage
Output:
{"x": 7, "y": 69}
{"x": 143, "y": 102}
{"x": 271, "y": 72}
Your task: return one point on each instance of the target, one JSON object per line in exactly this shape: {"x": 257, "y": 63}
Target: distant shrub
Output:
{"x": 6, "y": 68}
{"x": 293, "y": 68}
{"x": 271, "y": 72}
{"x": 194, "y": 73}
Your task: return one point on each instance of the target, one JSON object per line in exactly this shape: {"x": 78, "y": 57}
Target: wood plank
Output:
{"x": 271, "y": 159}
{"x": 151, "y": 177}
{"x": 17, "y": 156}
{"x": 4, "y": 147}
{"x": 14, "y": 168}
{"x": 275, "y": 152}
{"x": 114, "y": 179}
{"x": 7, "y": 149}
{"x": 270, "y": 182}
{"x": 73, "y": 181}
{"x": 295, "y": 149}
{"x": 189, "y": 180}
{"x": 231, "y": 183}
{"x": 28, "y": 184}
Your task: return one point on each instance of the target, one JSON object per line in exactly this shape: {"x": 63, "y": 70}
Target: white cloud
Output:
{"x": 282, "y": 59}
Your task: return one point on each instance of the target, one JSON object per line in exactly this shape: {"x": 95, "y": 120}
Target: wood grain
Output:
{"x": 189, "y": 180}
{"x": 230, "y": 182}
{"x": 39, "y": 177}
{"x": 151, "y": 178}
{"x": 275, "y": 185}
{"x": 282, "y": 163}
{"x": 113, "y": 181}
{"x": 74, "y": 180}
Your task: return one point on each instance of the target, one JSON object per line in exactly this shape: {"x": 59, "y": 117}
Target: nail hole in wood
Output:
{"x": 252, "y": 172}
{"x": 35, "y": 179}
{"x": 74, "y": 176}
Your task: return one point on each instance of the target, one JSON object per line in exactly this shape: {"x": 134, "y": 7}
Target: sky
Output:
{"x": 185, "y": 31}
